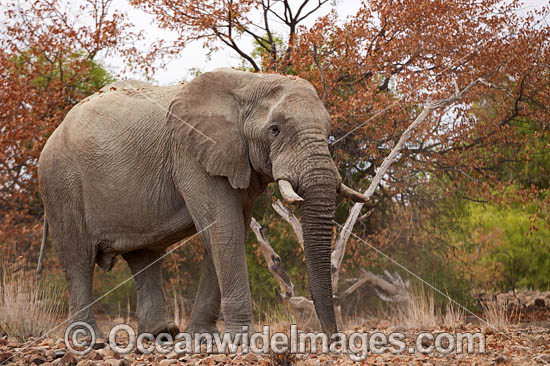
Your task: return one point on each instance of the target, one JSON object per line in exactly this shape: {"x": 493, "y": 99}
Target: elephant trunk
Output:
{"x": 318, "y": 188}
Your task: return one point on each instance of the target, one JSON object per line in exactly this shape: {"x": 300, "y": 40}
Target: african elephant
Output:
{"x": 135, "y": 168}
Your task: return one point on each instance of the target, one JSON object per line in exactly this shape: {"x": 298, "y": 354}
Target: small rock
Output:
{"x": 219, "y": 357}
{"x": 114, "y": 362}
{"x": 5, "y": 356}
{"x": 538, "y": 341}
{"x": 107, "y": 353}
{"x": 50, "y": 355}
{"x": 172, "y": 355}
{"x": 184, "y": 358}
{"x": 544, "y": 359}
{"x": 69, "y": 359}
{"x": 94, "y": 356}
{"x": 168, "y": 362}
{"x": 99, "y": 345}
{"x": 85, "y": 363}
{"x": 59, "y": 353}
{"x": 38, "y": 360}
{"x": 250, "y": 357}
{"x": 501, "y": 359}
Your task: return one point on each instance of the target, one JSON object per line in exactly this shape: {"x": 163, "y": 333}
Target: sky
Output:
{"x": 194, "y": 57}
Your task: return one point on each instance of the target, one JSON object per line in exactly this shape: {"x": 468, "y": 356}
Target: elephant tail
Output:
{"x": 42, "y": 246}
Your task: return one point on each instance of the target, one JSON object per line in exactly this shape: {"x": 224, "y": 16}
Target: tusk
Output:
{"x": 353, "y": 195}
{"x": 288, "y": 192}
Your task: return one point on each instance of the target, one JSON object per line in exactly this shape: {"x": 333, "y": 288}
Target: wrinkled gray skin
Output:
{"x": 121, "y": 176}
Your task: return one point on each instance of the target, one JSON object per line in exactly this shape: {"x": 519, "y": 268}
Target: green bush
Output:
{"x": 513, "y": 245}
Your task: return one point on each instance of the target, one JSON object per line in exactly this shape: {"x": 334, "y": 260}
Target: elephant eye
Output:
{"x": 274, "y": 130}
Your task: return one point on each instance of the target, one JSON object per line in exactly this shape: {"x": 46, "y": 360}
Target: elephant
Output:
{"x": 135, "y": 168}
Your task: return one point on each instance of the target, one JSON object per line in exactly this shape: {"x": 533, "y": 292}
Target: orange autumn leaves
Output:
{"x": 47, "y": 65}
{"x": 373, "y": 70}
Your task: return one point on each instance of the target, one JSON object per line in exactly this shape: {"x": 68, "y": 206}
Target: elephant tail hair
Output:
{"x": 42, "y": 246}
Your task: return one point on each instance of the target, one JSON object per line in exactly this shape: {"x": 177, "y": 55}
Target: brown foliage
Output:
{"x": 376, "y": 68}
{"x": 46, "y": 66}
{"x": 373, "y": 70}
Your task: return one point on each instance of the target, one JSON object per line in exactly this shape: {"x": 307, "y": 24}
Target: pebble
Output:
{"x": 168, "y": 362}
{"x": 501, "y": 359}
{"x": 5, "y": 356}
{"x": 38, "y": 360}
{"x": 94, "y": 356}
{"x": 114, "y": 362}
{"x": 85, "y": 363}
{"x": 544, "y": 359}
{"x": 250, "y": 357}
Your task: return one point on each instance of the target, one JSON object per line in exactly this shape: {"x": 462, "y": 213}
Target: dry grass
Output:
{"x": 454, "y": 316}
{"x": 28, "y": 308}
{"x": 420, "y": 312}
{"x": 423, "y": 313}
{"x": 496, "y": 315}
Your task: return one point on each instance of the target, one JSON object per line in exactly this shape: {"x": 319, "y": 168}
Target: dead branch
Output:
{"x": 347, "y": 228}
{"x": 301, "y": 308}
{"x": 273, "y": 260}
{"x": 289, "y": 217}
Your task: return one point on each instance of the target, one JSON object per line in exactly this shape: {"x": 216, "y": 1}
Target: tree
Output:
{"x": 375, "y": 71}
{"x": 47, "y": 65}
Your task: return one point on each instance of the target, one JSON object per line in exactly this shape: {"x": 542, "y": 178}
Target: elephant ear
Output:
{"x": 205, "y": 119}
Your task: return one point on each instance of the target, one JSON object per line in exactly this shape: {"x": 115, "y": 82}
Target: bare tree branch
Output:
{"x": 274, "y": 262}
{"x": 343, "y": 237}
{"x": 289, "y": 217}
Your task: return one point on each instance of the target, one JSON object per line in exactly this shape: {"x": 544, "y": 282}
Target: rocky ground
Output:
{"x": 525, "y": 342}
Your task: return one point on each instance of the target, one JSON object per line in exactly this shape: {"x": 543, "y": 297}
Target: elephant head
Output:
{"x": 236, "y": 122}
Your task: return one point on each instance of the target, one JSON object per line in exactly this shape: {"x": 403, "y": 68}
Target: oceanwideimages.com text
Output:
{"x": 80, "y": 339}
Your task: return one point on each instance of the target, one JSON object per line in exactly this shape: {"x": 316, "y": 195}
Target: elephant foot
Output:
{"x": 161, "y": 327}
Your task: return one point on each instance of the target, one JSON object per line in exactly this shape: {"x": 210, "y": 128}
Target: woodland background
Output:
{"x": 467, "y": 204}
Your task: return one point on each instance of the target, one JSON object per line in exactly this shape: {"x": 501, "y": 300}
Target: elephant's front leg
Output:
{"x": 229, "y": 256}
{"x": 206, "y": 308}
{"x": 218, "y": 214}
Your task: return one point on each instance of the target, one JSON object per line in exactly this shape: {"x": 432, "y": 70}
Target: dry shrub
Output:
{"x": 28, "y": 308}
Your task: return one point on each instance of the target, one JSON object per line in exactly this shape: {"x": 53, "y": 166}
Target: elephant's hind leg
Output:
{"x": 206, "y": 308}
{"x": 78, "y": 266}
{"x": 151, "y": 313}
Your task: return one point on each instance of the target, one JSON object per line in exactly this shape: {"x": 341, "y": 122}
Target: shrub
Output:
{"x": 28, "y": 307}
